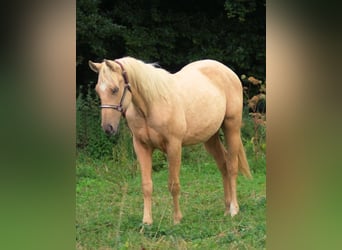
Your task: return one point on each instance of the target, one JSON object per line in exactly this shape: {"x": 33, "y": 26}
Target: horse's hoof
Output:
{"x": 177, "y": 220}
{"x": 234, "y": 210}
{"x": 147, "y": 222}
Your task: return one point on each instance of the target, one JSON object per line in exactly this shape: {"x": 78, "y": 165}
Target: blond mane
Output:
{"x": 152, "y": 83}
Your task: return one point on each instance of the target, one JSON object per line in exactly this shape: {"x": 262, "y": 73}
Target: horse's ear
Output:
{"x": 112, "y": 65}
{"x": 94, "y": 66}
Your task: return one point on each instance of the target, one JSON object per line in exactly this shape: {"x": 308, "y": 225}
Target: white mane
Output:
{"x": 151, "y": 83}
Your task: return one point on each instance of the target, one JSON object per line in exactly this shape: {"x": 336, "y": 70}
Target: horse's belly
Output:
{"x": 200, "y": 135}
{"x": 204, "y": 123}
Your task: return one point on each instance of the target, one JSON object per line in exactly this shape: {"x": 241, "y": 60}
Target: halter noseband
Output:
{"x": 127, "y": 86}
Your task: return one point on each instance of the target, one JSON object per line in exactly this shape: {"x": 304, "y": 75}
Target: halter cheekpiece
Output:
{"x": 127, "y": 86}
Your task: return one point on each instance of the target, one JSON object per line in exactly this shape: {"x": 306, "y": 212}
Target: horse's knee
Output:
{"x": 174, "y": 188}
{"x": 232, "y": 170}
{"x": 147, "y": 188}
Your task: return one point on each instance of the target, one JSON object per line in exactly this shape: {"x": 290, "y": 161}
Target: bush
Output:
{"x": 254, "y": 121}
{"x": 92, "y": 142}
{"x": 89, "y": 135}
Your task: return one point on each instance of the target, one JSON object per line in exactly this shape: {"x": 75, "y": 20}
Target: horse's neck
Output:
{"x": 144, "y": 105}
{"x": 139, "y": 103}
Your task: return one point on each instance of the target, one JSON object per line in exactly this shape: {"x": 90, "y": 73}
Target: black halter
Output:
{"x": 127, "y": 86}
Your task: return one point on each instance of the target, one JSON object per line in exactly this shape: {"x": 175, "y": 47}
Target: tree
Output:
{"x": 172, "y": 33}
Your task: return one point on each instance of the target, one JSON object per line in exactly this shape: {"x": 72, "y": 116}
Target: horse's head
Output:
{"x": 111, "y": 87}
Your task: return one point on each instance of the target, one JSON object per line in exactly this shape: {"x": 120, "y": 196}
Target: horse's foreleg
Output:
{"x": 144, "y": 154}
{"x": 174, "y": 155}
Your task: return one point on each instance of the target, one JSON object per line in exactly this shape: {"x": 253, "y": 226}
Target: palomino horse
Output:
{"x": 167, "y": 111}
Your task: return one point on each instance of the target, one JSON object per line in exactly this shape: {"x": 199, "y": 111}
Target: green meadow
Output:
{"x": 109, "y": 206}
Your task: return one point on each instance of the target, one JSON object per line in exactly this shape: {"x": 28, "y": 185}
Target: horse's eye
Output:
{"x": 115, "y": 90}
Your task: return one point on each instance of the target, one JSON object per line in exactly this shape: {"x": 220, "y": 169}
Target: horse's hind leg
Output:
{"x": 216, "y": 149}
{"x": 231, "y": 128}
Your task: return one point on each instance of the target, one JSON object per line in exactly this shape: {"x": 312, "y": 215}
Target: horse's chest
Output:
{"x": 151, "y": 137}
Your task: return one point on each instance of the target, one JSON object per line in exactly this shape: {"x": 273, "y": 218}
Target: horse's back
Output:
{"x": 217, "y": 72}
{"x": 223, "y": 78}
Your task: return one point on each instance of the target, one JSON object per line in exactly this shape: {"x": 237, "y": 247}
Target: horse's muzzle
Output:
{"x": 109, "y": 129}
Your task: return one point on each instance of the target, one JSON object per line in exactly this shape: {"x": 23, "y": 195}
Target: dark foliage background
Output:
{"x": 172, "y": 33}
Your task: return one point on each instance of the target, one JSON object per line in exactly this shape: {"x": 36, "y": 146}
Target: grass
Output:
{"x": 109, "y": 207}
